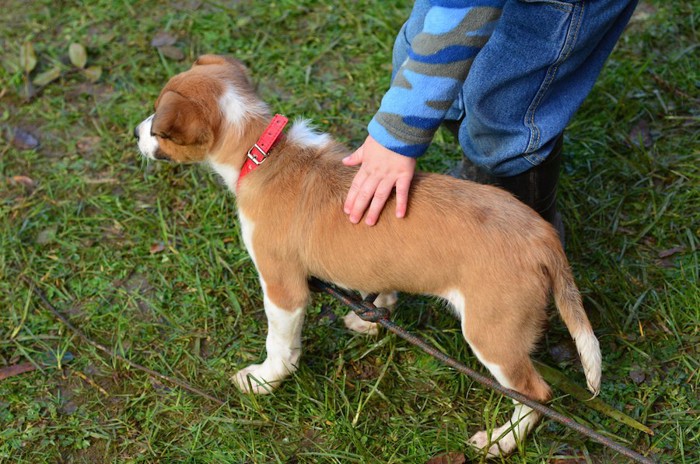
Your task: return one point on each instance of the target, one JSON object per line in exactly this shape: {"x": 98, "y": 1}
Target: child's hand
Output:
{"x": 381, "y": 170}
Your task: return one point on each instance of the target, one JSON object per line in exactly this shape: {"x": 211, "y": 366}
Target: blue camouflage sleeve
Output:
{"x": 429, "y": 81}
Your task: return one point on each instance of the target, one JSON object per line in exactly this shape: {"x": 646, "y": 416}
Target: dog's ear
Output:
{"x": 216, "y": 59}
{"x": 209, "y": 59}
{"x": 240, "y": 68}
{"x": 181, "y": 121}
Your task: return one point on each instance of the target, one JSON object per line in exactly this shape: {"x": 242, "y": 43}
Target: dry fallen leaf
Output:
{"x": 24, "y": 140}
{"x": 25, "y": 181}
{"x": 563, "y": 352}
{"x": 93, "y": 73}
{"x": 46, "y": 359}
{"x": 172, "y": 52}
{"x": 27, "y": 57}
{"x": 47, "y": 77}
{"x": 162, "y": 39}
{"x": 88, "y": 144}
{"x": 28, "y": 90}
{"x": 667, "y": 257}
{"x": 157, "y": 248}
{"x": 671, "y": 251}
{"x": 640, "y": 135}
{"x": 77, "y": 55}
{"x": 46, "y": 236}
{"x": 16, "y": 369}
{"x": 570, "y": 456}
{"x": 448, "y": 458}
{"x": 637, "y": 375}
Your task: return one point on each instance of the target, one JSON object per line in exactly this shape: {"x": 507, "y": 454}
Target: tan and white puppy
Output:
{"x": 492, "y": 258}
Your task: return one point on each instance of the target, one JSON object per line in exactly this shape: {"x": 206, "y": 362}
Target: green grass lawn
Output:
{"x": 146, "y": 259}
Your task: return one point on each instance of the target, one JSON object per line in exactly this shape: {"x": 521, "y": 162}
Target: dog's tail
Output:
{"x": 568, "y": 301}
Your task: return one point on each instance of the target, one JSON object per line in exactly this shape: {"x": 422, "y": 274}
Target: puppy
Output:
{"x": 492, "y": 258}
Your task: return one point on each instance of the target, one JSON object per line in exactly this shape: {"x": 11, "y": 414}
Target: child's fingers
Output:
{"x": 363, "y": 198}
{"x": 403, "y": 185}
{"x": 354, "y": 190}
{"x": 354, "y": 159}
{"x": 381, "y": 195}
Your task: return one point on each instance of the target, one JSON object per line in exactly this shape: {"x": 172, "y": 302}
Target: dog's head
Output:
{"x": 195, "y": 109}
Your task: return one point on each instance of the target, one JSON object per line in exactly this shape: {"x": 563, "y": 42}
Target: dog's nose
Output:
{"x": 136, "y": 132}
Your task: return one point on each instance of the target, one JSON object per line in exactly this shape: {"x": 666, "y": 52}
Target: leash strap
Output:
{"x": 258, "y": 153}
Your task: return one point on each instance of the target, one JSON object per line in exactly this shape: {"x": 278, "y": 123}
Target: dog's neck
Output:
{"x": 230, "y": 154}
{"x": 257, "y": 154}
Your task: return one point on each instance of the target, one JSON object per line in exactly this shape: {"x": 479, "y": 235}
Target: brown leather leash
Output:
{"x": 367, "y": 311}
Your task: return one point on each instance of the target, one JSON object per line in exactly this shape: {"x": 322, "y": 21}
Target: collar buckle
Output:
{"x": 259, "y": 157}
{"x": 257, "y": 153}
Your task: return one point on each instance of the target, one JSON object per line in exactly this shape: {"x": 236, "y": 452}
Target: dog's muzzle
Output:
{"x": 148, "y": 144}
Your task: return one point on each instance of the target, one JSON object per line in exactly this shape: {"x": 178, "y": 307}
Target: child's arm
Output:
{"x": 431, "y": 78}
{"x": 422, "y": 91}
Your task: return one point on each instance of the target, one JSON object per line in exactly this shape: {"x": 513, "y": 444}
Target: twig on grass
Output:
{"x": 91, "y": 382}
{"x": 180, "y": 383}
{"x": 670, "y": 87}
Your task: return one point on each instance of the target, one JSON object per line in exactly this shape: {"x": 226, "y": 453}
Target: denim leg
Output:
{"x": 532, "y": 75}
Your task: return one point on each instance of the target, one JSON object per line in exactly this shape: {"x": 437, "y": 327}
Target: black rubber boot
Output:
{"x": 536, "y": 187}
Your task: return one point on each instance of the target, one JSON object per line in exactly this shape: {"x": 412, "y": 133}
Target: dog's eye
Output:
{"x": 162, "y": 135}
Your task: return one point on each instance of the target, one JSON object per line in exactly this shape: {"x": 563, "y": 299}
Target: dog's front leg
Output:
{"x": 285, "y": 307}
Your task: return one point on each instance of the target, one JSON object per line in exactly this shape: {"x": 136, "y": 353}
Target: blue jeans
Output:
{"x": 526, "y": 83}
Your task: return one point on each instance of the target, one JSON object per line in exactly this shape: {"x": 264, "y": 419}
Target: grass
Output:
{"x": 146, "y": 258}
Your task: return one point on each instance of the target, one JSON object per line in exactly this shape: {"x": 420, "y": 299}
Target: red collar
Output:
{"x": 258, "y": 152}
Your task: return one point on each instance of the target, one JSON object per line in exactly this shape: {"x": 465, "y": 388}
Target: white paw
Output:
{"x": 480, "y": 441}
{"x": 356, "y": 324}
{"x": 257, "y": 379}
{"x": 353, "y": 322}
{"x": 386, "y": 300}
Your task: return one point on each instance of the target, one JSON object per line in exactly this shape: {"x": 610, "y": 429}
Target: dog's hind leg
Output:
{"x": 285, "y": 302}
{"x": 356, "y": 324}
{"x": 502, "y": 342}
{"x": 504, "y": 439}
